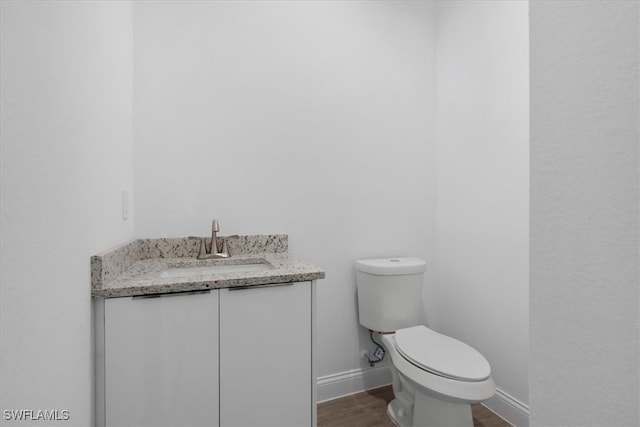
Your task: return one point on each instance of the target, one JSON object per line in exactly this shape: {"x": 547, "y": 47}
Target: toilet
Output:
{"x": 435, "y": 378}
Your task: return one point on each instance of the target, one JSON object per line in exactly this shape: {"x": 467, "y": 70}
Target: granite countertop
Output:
{"x": 142, "y": 267}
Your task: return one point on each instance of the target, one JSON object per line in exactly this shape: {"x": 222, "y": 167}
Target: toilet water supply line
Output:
{"x": 378, "y": 353}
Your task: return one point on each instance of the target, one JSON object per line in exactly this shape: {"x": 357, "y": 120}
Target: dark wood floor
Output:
{"x": 369, "y": 409}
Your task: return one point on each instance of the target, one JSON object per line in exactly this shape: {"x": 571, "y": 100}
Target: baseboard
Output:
{"x": 354, "y": 381}
{"x": 509, "y": 408}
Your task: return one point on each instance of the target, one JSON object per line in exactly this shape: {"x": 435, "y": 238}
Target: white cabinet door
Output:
{"x": 161, "y": 360}
{"x": 265, "y": 356}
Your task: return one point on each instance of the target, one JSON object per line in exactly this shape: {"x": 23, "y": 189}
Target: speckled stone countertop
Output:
{"x": 141, "y": 267}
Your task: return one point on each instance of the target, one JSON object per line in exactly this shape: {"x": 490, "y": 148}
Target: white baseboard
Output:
{"x": 509, "y": 408}
{"x": 354, "y": 381}
{"x": 357, "y": 380}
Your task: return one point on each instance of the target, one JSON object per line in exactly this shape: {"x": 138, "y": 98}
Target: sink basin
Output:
{"x": 214, "y": 269}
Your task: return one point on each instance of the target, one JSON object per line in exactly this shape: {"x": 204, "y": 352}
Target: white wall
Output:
{"x": 482, "y": 188}
{"x": 585, "y": 358}
{"x": 66, "y": 142}
{"x": 309, "y": 118}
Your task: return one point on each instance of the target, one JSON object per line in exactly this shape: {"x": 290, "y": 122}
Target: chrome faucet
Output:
{"x": 213, "y": 252}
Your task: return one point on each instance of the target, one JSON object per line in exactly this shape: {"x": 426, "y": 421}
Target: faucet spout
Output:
{"x": 215, "y": 227}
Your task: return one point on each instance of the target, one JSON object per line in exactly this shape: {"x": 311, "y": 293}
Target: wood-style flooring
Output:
{"x": 369, "y": 409}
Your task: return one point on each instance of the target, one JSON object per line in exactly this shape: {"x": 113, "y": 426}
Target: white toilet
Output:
{"x": 435, "y": 378}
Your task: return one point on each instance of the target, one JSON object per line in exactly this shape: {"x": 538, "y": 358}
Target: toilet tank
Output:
{"x": 390, "y": 293}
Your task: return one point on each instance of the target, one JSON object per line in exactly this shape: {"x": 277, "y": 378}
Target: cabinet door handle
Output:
{"x": 272, "y": 285}
{"x": 172, "y": 294}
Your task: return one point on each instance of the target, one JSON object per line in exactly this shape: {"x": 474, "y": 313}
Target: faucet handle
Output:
{"x": 215, "y": 226}
{"x": 225, "y": 251}
{"x": 203, "y": 246}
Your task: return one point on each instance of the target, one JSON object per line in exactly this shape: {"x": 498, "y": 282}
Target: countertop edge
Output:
{"x": 204, "y": 285}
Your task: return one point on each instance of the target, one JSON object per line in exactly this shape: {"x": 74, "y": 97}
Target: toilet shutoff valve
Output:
{"x": 378, "y": 353}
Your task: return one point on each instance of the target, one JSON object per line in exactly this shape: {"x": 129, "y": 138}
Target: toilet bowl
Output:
{"x": 435, "y": 378}
{"x": 435, "y": 388}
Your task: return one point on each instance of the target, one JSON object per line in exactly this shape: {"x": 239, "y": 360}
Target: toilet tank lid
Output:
{"x": 391, "y": 266}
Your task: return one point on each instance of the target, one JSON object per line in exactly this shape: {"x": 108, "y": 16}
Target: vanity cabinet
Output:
{"x": 161, "y": 360}
{"x": 240, "y": 357}
{"x": 265, "y": 356}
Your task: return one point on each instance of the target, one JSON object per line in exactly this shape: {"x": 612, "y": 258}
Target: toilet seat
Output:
{"x": 441, "y": 355}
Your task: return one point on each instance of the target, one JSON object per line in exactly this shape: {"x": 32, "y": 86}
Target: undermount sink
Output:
{"x": 214, "y": 269}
